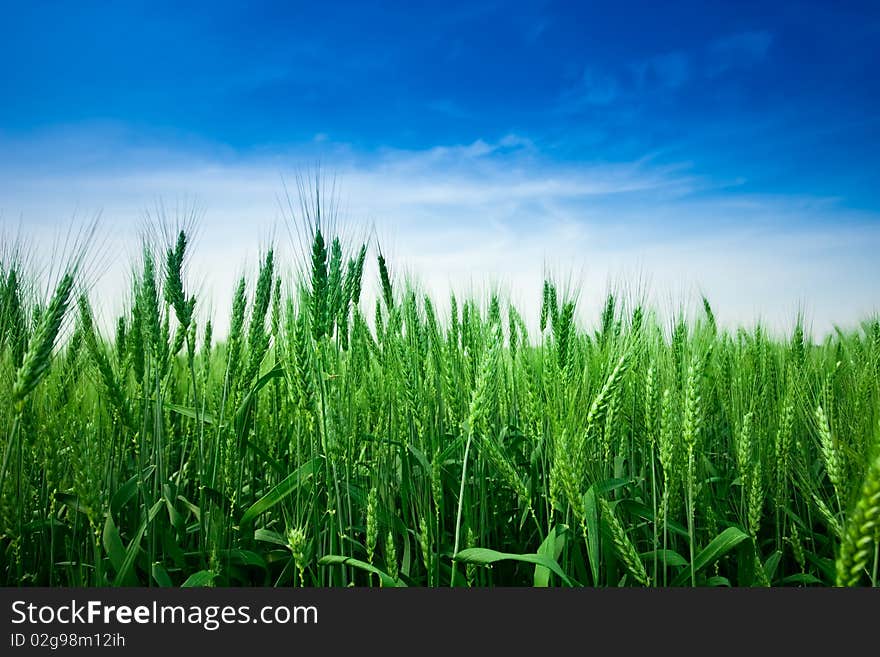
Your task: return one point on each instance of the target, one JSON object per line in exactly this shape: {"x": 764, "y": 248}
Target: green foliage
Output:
{"x": 324, "y": 443}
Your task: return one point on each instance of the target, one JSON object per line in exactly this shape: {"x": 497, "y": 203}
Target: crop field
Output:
{"x": 327, "y": 441}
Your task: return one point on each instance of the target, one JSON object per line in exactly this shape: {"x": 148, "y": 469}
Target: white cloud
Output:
{"x": 480, "y": 214}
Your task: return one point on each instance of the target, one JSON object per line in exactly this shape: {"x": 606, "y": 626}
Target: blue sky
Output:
{"x": 715, "y": 134}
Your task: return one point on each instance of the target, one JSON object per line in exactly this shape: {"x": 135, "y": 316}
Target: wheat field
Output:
{"x": 330, "y": 442}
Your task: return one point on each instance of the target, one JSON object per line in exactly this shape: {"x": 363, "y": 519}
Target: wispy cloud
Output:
{"x": 669, "y": 70}
{"x": 737, "y": 51}
{"x": 496, "y": 212}
{"x": 595, "y": 87}
{"x": 606, "y": 87}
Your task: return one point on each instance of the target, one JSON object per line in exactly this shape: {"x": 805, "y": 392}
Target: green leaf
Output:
{"x": 173, "y": 551}
{"x": 824, "y": 564}
{"x": 174, "y": 517}
{"x": 246, "y": 403}
{"x": 161, "y": 576}
{"x": 201, "y": 578}
{"x": 552, "y": 548}
{"x": 113, "y": 545}
{"x": 335, "y": 559}
{"x": 245, "y": 558}
{"x": 771, "y": 565}
{"x": 216, "y": 497}
{"x": 717, "y": 548}
{"x": 268, "y": 536}
{"x": 632, "y": 507}
{"x": 592, "y": 522}
{"x": 131, "y": 553}
{"x": 804, "y": 579}
{"x": 263, "y": 454}
{"x": 193, "y": 509}
{"x": 185, "y": 411}
{"x": 485, "y": 557}
{"x": 123, "y": 495}
{"x": 453, "y": 446}
{"x": 421, "y": 458}
{"x": 609, "y": 485}
{"x": 668, "y": 557}
{"x": 72, "y": 502}
{"x": 282, "y": 490}
{"x": 717, "y": 580}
